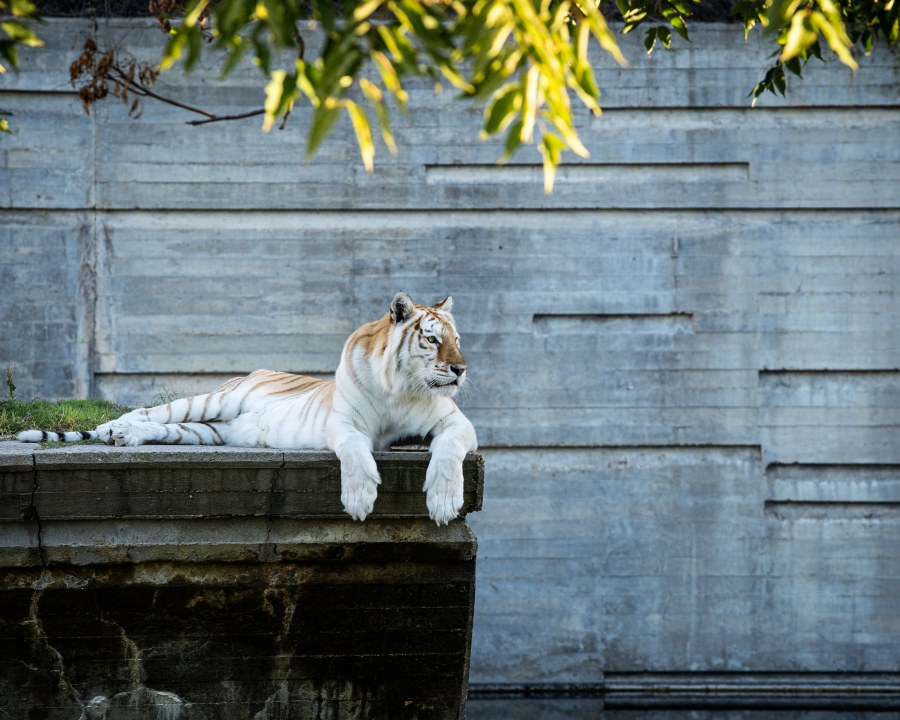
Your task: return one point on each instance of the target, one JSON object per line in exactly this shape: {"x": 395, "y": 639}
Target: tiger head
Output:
{"x": 427, "y": 346}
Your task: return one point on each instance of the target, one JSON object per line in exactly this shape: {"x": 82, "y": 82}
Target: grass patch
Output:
{"x": 62, "y": 415}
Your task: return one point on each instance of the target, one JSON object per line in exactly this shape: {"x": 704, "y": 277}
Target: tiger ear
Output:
{"x": 402, "y": 308}
{"x": 445, "y": 305}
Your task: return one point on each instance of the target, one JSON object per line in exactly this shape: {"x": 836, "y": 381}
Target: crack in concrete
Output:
{"x": 134, "y": 658}
{"x": 165, "y": 705}
{"x": 280, "y": 699}
{"x": 31, "y": 513}
{"x": 40, "y": 638}
{"x": 269, "y": 551}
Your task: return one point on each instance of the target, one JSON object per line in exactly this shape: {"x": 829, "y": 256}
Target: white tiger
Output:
{"x": 397, "y": 379}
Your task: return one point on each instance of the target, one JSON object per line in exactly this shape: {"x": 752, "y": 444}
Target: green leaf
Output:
{"x": 513, "y": 140}
{"x": 650, "y": 40}
{"x": 9, "y": 53}
{"x": 586, "y": 87}
{"x": 493, "y": 79}
{"x": 324, "y": 10}
{"x": 665, "y": 36}
{"x": 794, "y": 66}
{"x": 194, "y": 48}
{"x": 323, "y": 119}
{"x": 341, "y": 59}
{"x": 502, "y": 109}
{"x": 234, "y": 56}
{"x": 23, "y": 8}
{"x": 815, "y": 50}
{"x": 778, "y": 79}
{"x": 263, "y": 55}
{"x": 677, "y": 22}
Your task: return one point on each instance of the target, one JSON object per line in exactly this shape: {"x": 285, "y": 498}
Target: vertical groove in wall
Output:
{"x": 87, "y": 306}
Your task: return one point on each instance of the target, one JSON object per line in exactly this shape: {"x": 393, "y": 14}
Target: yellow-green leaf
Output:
{"x": 174, "y": 48}
{"x": 502, "y": 109}
{"x": 391, "y": 78}
{"x": 20, "y": 32}
{"x": 569, "y": 136}
{"x": 376, "y": 99}
{"x": 363, "y": 133}
{"x": 280, "y": 94}
{"x": 530, "y": 102}
{"x": 194, "y": 11}
{"x": 799, "y": 37}
{"x": 835, "y": 36}
{"x": 779, "y": 12}
{"x": 363, "y": 11}
{"x": 551, "y": 148}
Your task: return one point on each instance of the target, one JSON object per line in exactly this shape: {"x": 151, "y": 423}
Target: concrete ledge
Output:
{"x": 156, "y": 481}
{"x": 227, "y": 583}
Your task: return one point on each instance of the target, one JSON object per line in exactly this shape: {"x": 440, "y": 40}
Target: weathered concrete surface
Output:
{"x": 685, "y": 362}
{"x": 257, "y": 610}
{"x": 96, "y": 481}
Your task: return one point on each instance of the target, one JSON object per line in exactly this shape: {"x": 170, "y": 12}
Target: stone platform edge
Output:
{"x": 93, "y": 504}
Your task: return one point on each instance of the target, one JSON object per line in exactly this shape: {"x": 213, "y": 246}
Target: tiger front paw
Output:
{"x": 358, "y": 496}
{"x": 443, "y": 490}
{"x": 129, "y": 433}
{"x": 104, "y": 433}
{"x": 359, "y": 485}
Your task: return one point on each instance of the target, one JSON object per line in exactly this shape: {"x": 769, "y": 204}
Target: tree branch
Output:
{"x": 137, "y": 87}
{"x": 219, "y": 118}
{"x": 117, "y": 75}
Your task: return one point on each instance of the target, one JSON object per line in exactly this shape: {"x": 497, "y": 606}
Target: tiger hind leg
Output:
{"x": 198, "y": 409}
{"x": 128, "y": 432}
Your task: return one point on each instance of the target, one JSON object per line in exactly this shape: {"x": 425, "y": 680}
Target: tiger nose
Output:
{"x": 458, "y": 369}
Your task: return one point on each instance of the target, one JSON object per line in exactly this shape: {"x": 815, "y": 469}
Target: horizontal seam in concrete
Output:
{"x": 392, "y": 210}
{"x": 788, "y": 690}
{"x": 667, "y": 446}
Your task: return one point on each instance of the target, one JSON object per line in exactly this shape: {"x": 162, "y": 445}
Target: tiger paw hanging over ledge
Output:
{"x": 397, "y": 378}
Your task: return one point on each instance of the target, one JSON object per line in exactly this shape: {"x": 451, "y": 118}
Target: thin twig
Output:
{"x": 219, "y": 118}
{"x": 140, "y": 89}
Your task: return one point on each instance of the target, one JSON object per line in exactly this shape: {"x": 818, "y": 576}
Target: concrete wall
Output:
{"x": 686, "y": 360}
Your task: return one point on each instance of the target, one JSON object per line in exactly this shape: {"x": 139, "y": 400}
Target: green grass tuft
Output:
{"x": 16, "y": 415}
